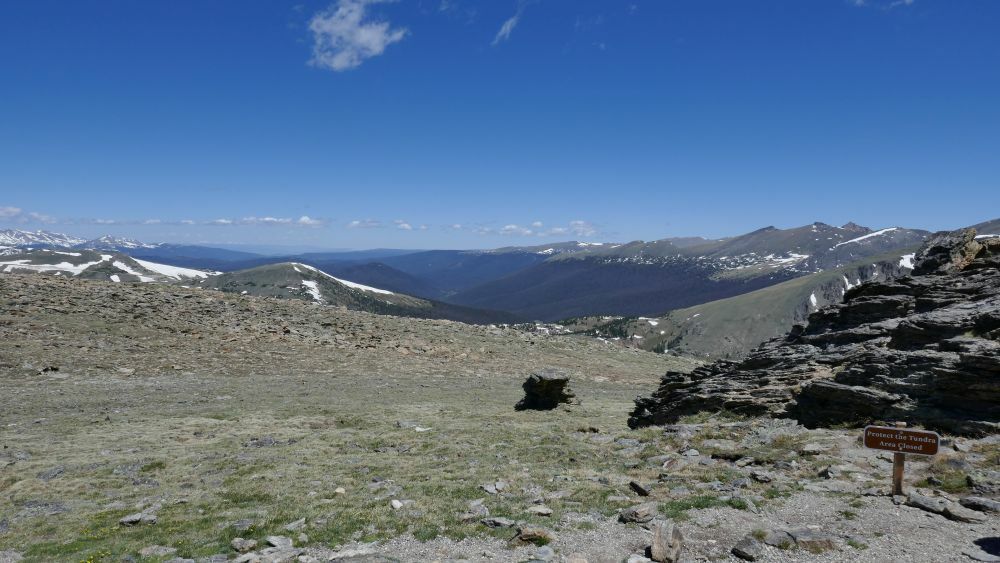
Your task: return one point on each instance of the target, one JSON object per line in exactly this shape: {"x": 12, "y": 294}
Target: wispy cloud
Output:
{"x": 577, "y": 228}
{"x": 516, "y": 230}
{"x": 364, "y": 224}
{"x": 882, "y": 4}
{"x": 10, "y": 212}
{"x": 343, "y": 37}
{"x": 403, "y": 225}
{"x": 508, "y": 26}
{"x": 13, "y": 214}
{"x": 582, "y": 228}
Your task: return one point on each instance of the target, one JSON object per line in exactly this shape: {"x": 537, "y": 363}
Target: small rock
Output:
{"x": 280, "y": 542}
{"x": 636, "y": 558}
{"x": 748, "y": 549}
{"x": 638, "y": 488}
{"x": 981, "y": 504}
{"x": 296, "y": 525}
{"x": 761, "y": 476}
{"x": 667, "y": 543}
{"x": 640, "y": 513}
{"x": 691, "y": 453}
{"x": 243, "y": 546}
{"x": 497, "y": 522}
{"x": 812, "y": 449}
{"x": 396, "y": 504}
{"x": 138, "y": 518}
{"x": 537, "y": 536}
{"x": 157, "y": 551}
{"x": 812, "y": 540}
{"x": 545, "y": 553}
{"x": 243, "y": 525}
{"x": 829, "y": 472}
{"x": 778, "y": 538}
{"x": 339, "y": 491}
{"x": 540, "y": 510}
{"x": 50, "y": 474}
{"x": 959, "y": 513}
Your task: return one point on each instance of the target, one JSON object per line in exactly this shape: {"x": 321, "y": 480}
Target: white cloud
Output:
{"x": 187, "y": 222}
{"x": 456, "y": 226}
{"x": 364, "y": 224}
{"x": 516, "y": 230}
{"x": 343, "y": 38}
{"x": 537, "y": 224}
{"x": 308, "y": 221}
{"x": 403, "y": 225}
{"x": 105, "y": 221}
{"x": 152, "y": 222}
{"x": 221, "y": 222}
{"x": 9, "y": 212}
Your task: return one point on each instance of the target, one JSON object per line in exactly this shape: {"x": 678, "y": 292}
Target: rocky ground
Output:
{"x": 151, "y": 423}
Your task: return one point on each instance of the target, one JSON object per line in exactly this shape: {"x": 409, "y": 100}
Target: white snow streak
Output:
{"x": 173, "y": 271}
{"x": 868, "y": 236}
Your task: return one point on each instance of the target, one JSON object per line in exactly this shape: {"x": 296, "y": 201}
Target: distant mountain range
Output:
{"x": 674, "y": 294}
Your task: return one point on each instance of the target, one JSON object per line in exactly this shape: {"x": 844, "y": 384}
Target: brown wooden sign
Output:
{"x": 902, "y": 440}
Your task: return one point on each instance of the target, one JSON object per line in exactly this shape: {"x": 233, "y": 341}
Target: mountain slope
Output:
{"x": 303, "y": 282}
{"x": 732, "y": 327}
{"x": 455, "y": 270}
{"x": 648, "y": 278}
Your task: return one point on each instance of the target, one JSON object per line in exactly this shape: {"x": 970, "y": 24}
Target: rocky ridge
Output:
{"x": 923, "y": 348}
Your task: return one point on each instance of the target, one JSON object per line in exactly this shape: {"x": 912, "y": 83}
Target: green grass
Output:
{"x": 153, "y": 467}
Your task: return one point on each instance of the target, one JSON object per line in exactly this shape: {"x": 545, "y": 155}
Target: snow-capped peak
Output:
{"x": 16, "y": 237}
{"x": 113, "y": 242}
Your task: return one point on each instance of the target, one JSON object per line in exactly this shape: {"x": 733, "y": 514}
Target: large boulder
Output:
{"x": 923, "y": 348}
{"x": 546, "y": 390}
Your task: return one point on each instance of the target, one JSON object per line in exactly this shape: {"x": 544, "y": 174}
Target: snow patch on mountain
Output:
{"x": 128, "y": 270}
{"x": 906, "y": 261}
{"x": 173, "y": 271}
{"x": 866, "y": 237}
{"x": 349, "y": 284}
{"x": 66, "y": 267}
{"x": 313, "y": 289}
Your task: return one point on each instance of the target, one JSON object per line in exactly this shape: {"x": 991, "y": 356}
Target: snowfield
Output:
{"x": 173, "y": 271}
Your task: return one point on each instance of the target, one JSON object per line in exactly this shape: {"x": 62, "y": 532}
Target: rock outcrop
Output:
{"x": 924, "y": 349}
{"x": 546, "y": 390}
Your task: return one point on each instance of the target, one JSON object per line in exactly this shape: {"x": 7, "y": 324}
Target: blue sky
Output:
{"x": 459, "y": 124}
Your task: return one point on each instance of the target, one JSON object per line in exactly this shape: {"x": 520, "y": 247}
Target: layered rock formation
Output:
{"x": 923, "y": 349}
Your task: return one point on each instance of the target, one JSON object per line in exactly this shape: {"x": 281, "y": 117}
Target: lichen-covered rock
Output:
{"x": 546, "y": 390}
{"x": 924, "y": 348}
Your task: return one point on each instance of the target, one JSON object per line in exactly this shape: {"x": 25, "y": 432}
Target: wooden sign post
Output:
{"x": 901, "y": 441}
